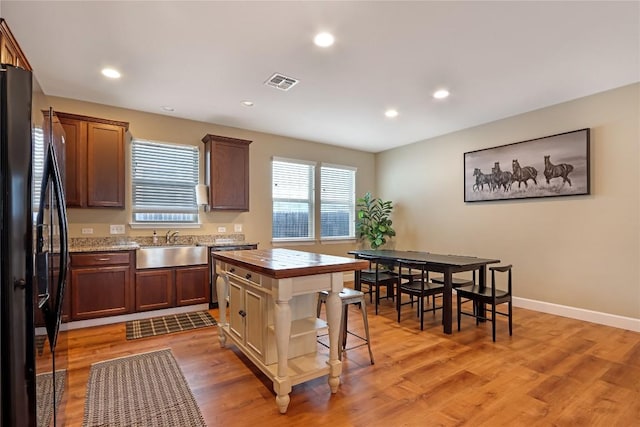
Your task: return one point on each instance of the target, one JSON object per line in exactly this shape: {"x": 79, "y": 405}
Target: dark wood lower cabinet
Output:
{"x": 101, "y": 284}
{"x": 104, "y": 284}
{"x": 170, "y": 287}
{"x": 192, "y": 285}
{"x": 154, "y": 289}
{"x": 99, "y": 292}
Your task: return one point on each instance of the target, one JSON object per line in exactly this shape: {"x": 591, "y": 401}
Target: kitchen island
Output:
{"x": 272, "y": 296}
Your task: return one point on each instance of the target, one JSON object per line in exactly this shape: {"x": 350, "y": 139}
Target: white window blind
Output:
{"x": 337, "y": 201}
{"x": 163, "y": 180}
{"x": 293, "y": 199}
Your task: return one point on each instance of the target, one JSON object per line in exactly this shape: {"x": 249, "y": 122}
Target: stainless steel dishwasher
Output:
{"x": 223, "y": 247}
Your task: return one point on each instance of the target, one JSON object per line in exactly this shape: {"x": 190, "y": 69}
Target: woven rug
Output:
{"x": 44, "y": 391}
{"x": 146, "y": 389}
{"x": 168, "y": 324}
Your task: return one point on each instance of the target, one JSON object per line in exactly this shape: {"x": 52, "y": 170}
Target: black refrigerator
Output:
{"x": 33, "y": 255}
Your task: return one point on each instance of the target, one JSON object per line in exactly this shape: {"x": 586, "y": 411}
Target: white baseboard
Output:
{"x": 134, "y": 316}
{"x": 607, "y": 319}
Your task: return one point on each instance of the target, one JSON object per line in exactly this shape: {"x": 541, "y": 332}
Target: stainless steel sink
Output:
{"x": 170, "y": 256}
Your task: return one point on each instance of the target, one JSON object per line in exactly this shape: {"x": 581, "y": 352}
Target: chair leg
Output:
{"x": 510, "y": 314}
{"x": 493, "y": 320}
{"x": 344, "y": 323}
{"x": 459, "y": 300}
{"x": 363, "y": 309}
{"x": 319, "y": 305}
{"x": 421, "y": 308}
{"x": 377, "y": 298}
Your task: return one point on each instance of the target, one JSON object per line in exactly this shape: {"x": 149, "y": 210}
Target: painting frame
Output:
{"x": 550, "y": 166}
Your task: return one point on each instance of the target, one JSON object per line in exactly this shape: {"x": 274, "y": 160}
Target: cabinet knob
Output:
{"x": 242, "y": 313}
{"x": 20, "y": 283}
{"x": 232, "y": 270}
{"x": 248, "y": 276}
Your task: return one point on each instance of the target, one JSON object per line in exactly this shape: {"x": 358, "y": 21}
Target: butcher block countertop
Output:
{"x": 281, "y": 263}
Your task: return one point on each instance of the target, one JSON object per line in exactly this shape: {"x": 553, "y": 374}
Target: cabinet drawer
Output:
{"x": 98, "y": 259}
{"x": 243, "y": 273}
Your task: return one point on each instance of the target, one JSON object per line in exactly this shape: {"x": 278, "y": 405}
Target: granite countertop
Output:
{"x": 101, "y": 244}
{"x": 97, "y": 247}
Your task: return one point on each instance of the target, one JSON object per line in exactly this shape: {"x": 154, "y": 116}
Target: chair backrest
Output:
{"x": 415, "y": 265}
{"x": 500, "y": 269}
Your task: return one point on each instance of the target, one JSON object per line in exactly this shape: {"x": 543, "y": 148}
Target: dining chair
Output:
{"x": 376, "y": 276}
{"x": 487, "y": 295}
{"x": 417, "y": 286}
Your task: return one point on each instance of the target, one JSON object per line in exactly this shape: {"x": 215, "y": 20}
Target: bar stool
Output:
{"x": 349, "y": 296}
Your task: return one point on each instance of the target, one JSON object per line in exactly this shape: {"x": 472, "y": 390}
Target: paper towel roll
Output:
{"x": 202, "y": 194}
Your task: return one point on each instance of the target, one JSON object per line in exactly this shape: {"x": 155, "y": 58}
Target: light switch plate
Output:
{"x": 116, "y": 228}
{"x": 237, "y": 228}
{"x": 222, "y": 229}
{"x": 87, "y": 230}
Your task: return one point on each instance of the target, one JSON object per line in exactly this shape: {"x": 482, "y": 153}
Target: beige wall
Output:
{"x": 257, "y": 222}
{"x": 579, "y": 251}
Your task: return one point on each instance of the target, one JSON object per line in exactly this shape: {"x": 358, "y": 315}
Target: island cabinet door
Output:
{"x": 255, "y": 322}
{"x": 236, "y": 310}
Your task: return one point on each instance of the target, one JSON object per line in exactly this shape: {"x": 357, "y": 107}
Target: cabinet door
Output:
{"x": 75, "y": 162}
{"x": 154, "y": 289}
{"x": 99, "y": 292}
{"x": 192, "y": 285}
{"x": 105, "y": 165}
{"x": 236, "y": 309}
{"x": 255, "y": 321}
{"x": 227, "y": 172}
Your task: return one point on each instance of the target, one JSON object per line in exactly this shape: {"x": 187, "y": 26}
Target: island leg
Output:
{"x": 222, "y": 286}
{"x": 334, "y": 316}
{"x": 282, "y": 324}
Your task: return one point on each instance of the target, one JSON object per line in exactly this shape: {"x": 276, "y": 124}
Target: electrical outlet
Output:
{"x": 222, "y": 229}
{"x": 87, "y": 231}
{"x": 237, "y": 228}
{"x": 116, "y": 228}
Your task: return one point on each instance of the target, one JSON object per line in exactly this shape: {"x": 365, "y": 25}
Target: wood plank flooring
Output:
{"x": 553, "y": 371}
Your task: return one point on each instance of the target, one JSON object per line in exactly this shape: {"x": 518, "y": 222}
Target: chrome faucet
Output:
{"x": 171, "y": 236}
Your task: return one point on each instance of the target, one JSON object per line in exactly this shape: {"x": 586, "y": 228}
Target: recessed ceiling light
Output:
{"x": 391, "y": 113}
{"x": 247, "y": 103}
{"x": 111, "y": 73}
{"x": 441, "y": 94}
{"x": 168, "y": 108}
{"x": 323, "y": 39}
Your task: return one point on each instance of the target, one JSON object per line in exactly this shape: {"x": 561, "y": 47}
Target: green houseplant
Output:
{"x": 374, "y": 222}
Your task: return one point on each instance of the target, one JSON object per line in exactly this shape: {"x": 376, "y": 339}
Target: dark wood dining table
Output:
{"x": 445, "y": 264}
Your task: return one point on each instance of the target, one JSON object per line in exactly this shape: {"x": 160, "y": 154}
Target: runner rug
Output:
{"x": 168, "y": 324}
{"x": 45, "y": 393}
{"x": 145, "y": 389}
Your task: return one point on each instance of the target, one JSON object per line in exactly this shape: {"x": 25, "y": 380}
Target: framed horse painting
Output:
{"x": 556, "y": 165}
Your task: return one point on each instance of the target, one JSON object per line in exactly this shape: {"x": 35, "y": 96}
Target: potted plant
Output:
{"x": 374, "y": 222}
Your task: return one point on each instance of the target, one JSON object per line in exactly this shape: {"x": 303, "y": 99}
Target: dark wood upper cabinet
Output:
{"x": 227, "y": 172}
{"x": 10, "y": 52}
{"x": 95, "y": 161}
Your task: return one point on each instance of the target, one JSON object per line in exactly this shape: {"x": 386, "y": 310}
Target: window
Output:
{"x": 293, "y": 199}
{"x": 337, "y": 201}
{"x": 164, "y": 178}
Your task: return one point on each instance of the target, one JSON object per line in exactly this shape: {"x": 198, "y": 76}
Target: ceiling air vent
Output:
{"x": 282, "y": 82}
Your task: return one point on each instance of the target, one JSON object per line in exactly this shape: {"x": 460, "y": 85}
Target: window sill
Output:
{"x": 338, "y": 240}
{"x": 293, "y": 242}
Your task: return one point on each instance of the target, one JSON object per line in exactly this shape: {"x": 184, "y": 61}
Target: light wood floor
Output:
{"x": 553, "y": 371}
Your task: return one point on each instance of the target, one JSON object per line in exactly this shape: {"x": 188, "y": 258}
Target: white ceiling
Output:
{"x": 498, "y": 59}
